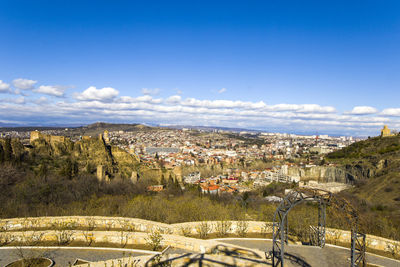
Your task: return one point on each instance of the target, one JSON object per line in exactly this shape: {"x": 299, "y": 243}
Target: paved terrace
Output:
{"x": 135, "y": 231}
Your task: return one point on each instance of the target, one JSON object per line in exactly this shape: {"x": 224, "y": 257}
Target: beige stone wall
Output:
{"x": 192, "y": 227}
{"x": 116, "y": 238}
{"x": 139, "y": 228}
{"x": 49, "y": 138}
{"x": 77, "y": 222}
{"x": 35, "y": 135}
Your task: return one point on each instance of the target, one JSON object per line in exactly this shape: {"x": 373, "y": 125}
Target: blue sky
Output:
{"x": 311, "y": 66}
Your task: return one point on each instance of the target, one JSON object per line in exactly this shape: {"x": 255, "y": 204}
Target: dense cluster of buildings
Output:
{"x": 236, "y": 180}
{"x": 180, "y": 147}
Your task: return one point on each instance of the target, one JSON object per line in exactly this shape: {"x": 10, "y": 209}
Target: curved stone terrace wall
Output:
{"x": 139, "y": 228}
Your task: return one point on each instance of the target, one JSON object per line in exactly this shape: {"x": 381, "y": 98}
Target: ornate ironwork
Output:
{"x": 357, "y": 249}
{"x": 281, "y": 229}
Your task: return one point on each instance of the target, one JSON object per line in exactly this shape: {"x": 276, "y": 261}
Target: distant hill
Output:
{"x": 93, "y": 129}
{"x": 375, "y": 164}
{"x": 99, "y": 127}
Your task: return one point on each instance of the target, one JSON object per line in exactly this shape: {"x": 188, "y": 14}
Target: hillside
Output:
{"x": 375, "y": 166}
{"x": 59, "y": 155}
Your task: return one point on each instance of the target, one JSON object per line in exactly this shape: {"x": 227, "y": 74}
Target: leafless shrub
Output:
{"x": 89, "y": 238}
{"x": 223, "y": 227}
{"x": 185, "y": 230}
{"x": 265, "y": 229}
{"x": 6, "y": 239}
{"x": 88, "y": 231}
{"x": 28, "y": 256}
{"x": 154, "y": 240}
{"x": 336, "y": 234}
{"x": 124, "y": 238}
{"x": 4, "y": 227}
{"x": 203, "y": 229}
{"x": 128, "y": 226}
{"x": 32, "y": 238}
{"x": 91, "y": 224}
{"x": 64, "y": 237}
{"x": 394, "y": 249}
{"x": 242, "y": 228}
{"x": 31, "y": 224}
{"x": 110, "y": 225}
{"x": 64, "y": 232}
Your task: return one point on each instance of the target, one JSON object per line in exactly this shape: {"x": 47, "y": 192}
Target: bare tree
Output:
{"x": 88, "y": 231}
{"x": 241, "y": 228}
{"x": 154, "y": 240}
{"x": 394, "y": 249}
{"x": 124, "y": 238}
{"x": 110, "y": 225}
{"x": 203, "y": 229}
{"x": 336, "y": 236}
{"x": 223, "y": 228}
{"x": 64, "y": 232}
{"x": 186, "y": 230}
{"x": 266, "y": 228}
{"x": 25, "y": 249}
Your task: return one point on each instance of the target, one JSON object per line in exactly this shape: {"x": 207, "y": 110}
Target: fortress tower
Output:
{"x": 35, "y": 135}
{"x": 106, "y": 137}
{"x": 385, "y": 131}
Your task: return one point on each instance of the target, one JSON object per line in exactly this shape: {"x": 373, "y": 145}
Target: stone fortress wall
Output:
{"x": 49, "y": 138}
{"x": 112, "y": 229}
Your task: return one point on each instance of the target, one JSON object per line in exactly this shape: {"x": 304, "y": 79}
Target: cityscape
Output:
{"x": 199, "y": 133}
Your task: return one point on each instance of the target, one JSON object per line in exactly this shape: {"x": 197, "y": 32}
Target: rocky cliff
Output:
{"x": 85, "y": 155}
{"x": 327, "y": 174}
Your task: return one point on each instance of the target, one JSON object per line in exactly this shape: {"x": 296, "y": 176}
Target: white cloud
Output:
{"x": 174, "y": 99}
{"x": 53, "y": 90}
{"x": 42, "y": 100}
{"x": 20, "y": 92}
{"x": 143, "y": 98}
{"x": 24, "y": 84}
{"x": 304, "y": 108}
{"x": 147, "y": 91}
{"x": 20, "y": 100}
{"x": 222, "y": 90}
{"x": 105, "y": 103}
{"x": 222, "y": 104}
{"x": 362, "y": 110}
{"x": 395, "y": 112}
{"x": 4, "y": 87}
{"x": 92, "y": 93}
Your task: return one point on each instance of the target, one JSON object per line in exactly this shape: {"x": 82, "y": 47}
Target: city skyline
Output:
{"x": 260, "y": 65}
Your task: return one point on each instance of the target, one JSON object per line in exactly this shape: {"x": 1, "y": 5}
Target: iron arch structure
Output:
{"x": 323, "y": 198}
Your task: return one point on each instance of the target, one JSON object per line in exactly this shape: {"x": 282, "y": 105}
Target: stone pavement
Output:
{"x": 62, "y": 257}
{"x": 314, "y": 256}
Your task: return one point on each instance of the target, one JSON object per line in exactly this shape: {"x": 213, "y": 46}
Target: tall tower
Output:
{"x": 106, "y": 137}
{"x": 385, "y": 131}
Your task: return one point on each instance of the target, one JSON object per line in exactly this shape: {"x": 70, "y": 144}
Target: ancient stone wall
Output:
{"x": 49, "y": 138}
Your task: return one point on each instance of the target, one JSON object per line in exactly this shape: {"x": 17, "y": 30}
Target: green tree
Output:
{"x": 7, "y": 149}
{"x": 69, "y": 169}
{"x": 162, "y": 181}
{"x": 1, "y": 153}
{"x": 43, "y": 170}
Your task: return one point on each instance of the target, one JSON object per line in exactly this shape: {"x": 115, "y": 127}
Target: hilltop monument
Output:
{"x": 385, "y": 132}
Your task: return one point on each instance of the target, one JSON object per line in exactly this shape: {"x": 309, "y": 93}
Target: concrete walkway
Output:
{"x": 315, "y": 256}
{"x": 62, "y": 256}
